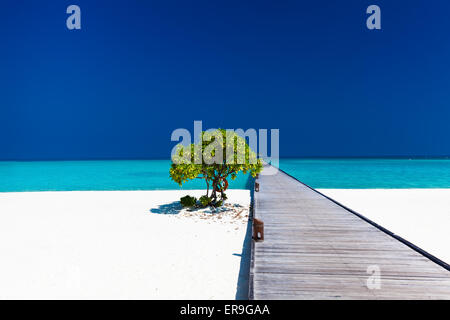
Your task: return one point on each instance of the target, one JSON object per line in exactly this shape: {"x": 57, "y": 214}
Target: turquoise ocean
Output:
{"x": 154, "y": 174}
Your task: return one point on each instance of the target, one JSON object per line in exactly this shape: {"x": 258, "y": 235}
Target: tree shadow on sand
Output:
{"x": 168, "y": 208}
{"x": 176, "y": 207}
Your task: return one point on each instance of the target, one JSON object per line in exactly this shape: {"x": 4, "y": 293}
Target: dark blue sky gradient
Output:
{"x": 139, "y": 69}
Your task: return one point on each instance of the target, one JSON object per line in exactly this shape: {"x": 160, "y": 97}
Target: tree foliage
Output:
{"x": 220, "y": 155}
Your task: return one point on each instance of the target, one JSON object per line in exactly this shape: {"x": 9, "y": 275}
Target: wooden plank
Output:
{"x": 316, "y": 249}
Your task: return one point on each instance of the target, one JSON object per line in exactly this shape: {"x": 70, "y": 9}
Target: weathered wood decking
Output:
{"x": 316, "y": 249}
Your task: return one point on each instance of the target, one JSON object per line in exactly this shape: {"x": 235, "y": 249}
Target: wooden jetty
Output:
{"x": 315, "y": 248}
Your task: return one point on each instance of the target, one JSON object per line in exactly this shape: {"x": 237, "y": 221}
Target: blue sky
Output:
{"x": 139, "y": 69}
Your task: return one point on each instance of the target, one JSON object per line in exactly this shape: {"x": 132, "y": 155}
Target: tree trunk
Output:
{"x": 214, "y": 191}
{"x": 221, "y": 190}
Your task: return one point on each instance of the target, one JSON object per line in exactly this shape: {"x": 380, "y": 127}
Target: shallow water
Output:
{"x": 154, "y": 174}
{"x": 370, "y": 173}
{"x": 96, "y": 175}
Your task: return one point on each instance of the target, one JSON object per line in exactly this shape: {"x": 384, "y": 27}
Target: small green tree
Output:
{"x": 220, "y": 154}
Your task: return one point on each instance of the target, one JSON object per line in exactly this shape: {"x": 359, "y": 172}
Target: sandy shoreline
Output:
{"x": 119, "y": 245}
{"x": 421, "y": 216}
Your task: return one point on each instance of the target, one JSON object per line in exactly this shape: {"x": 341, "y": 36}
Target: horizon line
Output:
{"x": 412, "y": 157}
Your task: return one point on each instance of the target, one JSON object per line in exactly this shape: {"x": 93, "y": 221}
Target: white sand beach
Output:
{"x": 142, "y": 245}
{"x": 421, "y": 216}
{"x": 120, "y": 245}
